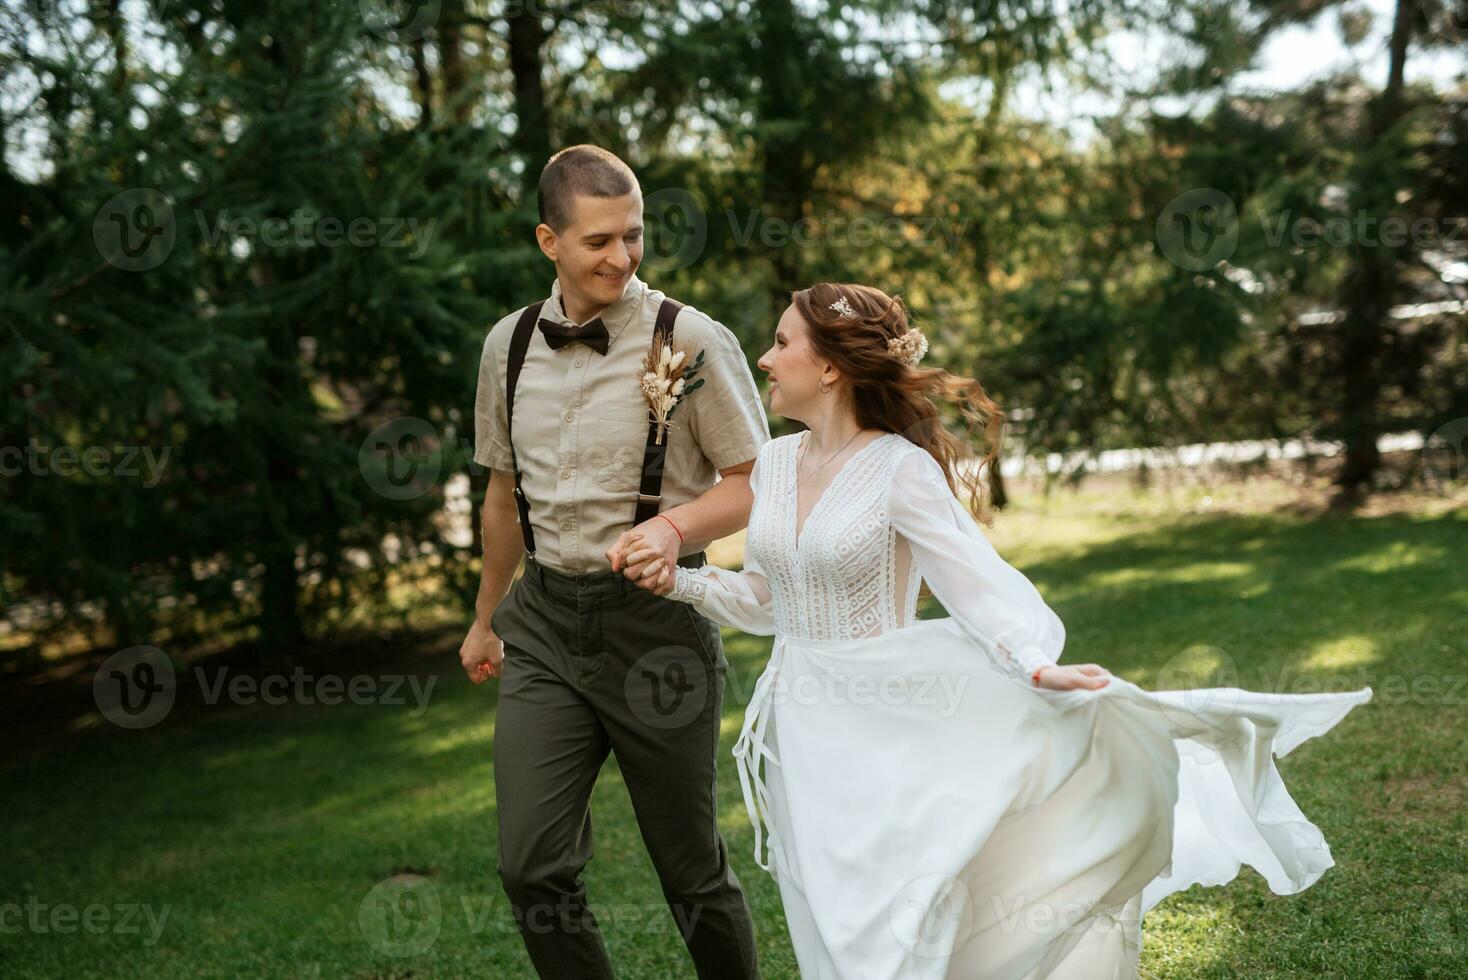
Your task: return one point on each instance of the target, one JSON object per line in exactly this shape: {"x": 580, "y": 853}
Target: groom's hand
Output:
{"x": 646, "y": 568}
{"x": 650, "y": 572}
{"x": 482, "y": 653}
{"x": 638, "y": 548}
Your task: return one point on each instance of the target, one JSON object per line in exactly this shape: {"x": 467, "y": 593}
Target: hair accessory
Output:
{"x": 910, "y": 347}
{"x": 844, "y": 308}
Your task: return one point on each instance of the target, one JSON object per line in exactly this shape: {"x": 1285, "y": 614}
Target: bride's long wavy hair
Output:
{"x": 897, "y": 397}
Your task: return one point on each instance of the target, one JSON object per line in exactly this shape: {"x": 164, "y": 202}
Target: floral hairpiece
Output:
{"x": 844, "y": 308}
{"x": 910, "y": 347}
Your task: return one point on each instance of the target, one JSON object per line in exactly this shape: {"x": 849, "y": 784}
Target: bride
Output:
{"x": 941, "y": 797}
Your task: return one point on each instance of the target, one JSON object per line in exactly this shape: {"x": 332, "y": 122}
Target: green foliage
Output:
{"x": 258, "y": 352}
{"x": 778, "y": 144}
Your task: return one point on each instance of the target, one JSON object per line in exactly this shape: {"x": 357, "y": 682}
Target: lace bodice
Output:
{"x": 886, "y": 522}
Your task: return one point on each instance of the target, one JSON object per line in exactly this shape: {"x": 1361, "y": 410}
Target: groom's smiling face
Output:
{"x": 596, "y": 253}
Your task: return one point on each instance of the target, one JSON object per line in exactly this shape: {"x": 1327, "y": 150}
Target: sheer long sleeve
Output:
{"x": 738, "y": 599}
{"x": 991, "y": 600}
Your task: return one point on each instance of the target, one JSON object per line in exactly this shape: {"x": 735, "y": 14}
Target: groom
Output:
{"x": 588, "y": 661}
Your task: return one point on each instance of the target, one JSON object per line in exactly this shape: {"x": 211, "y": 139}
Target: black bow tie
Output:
{"x": 592, "y": 334}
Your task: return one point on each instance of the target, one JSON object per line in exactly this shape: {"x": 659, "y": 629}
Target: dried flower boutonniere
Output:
{"x": 664, "y": 385}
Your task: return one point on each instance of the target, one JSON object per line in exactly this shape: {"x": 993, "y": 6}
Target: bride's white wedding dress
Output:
{"x": 929, "y": 812}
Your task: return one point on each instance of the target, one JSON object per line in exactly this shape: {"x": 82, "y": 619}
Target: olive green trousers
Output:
{"x": 594, "y": 664}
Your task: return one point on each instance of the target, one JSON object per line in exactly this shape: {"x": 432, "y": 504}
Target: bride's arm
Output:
{"x": 738, "y": 599}
{"x": 993, "y": 602}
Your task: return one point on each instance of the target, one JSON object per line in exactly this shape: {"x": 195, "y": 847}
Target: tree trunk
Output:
{"x": 785, "y": 177}
{"x": 450, "y": 57}
{"x": 532, "y": 132}
{"x": 280, "y": 611}
{"x": 983, "y": 253}
{"x": 116, "y": 28}
{"x": 423, "y": 79}
{"x": 1370, "y": 285}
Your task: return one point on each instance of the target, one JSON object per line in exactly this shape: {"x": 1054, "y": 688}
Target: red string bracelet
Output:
{"x": 674, "y": 526}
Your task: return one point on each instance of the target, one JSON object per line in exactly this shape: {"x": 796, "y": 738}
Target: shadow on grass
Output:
{"x": 1271, "y": 592}
{"x": 264, "y": 829}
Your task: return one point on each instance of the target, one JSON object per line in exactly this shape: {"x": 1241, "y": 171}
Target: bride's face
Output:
{"x": 794, "y": 371}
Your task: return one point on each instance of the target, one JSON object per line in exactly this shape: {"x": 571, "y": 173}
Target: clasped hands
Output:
{"x": 647, "y": 554}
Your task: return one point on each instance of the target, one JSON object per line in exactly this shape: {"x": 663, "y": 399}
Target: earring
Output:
{"x": 825, "y": 388}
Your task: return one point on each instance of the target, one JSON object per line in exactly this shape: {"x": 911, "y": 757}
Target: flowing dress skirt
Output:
{"x": 929, "y": 817}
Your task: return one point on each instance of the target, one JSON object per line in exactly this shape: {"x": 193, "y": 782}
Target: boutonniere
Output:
{"x": 665, "y": 383}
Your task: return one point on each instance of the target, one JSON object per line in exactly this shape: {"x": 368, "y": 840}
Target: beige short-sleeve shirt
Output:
{"x": 581, "y": 424}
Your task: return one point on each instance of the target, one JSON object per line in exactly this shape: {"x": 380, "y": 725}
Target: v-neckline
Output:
{"x": 797, "y": 530}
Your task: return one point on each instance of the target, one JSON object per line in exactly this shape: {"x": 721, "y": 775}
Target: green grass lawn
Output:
{"x": 261, "y": 830}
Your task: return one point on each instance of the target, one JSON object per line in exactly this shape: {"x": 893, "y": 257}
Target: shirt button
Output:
{"x": 566, "y": 525}
{"x": 570, "y": 416}
{"x": 565, "y": 474}
{"x": 581, "y": 586}
{"x": 579, "y": 362}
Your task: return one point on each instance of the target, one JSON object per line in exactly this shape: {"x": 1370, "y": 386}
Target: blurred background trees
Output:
{"x": 249, "y": 252}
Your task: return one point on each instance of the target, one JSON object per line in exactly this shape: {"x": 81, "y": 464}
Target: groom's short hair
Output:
{"x": 585, "y": 169}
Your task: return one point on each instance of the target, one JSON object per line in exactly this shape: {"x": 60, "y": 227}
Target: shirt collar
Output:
{"x": 615, "y": 317}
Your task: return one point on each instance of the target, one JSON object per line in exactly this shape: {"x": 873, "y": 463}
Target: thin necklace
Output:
{"x": 828, "y": 459}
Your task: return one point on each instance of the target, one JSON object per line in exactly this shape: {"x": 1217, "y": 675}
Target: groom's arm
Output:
{"x": 503, "y": 544}
{"x": 721, "y": 510}
{"x": 726, "y": 419}
{"x": 502, "y": 540}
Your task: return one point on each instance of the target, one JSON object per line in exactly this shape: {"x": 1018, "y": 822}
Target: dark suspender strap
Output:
{"x": 650, "y": 493}
{"x": 518, "y": 345}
